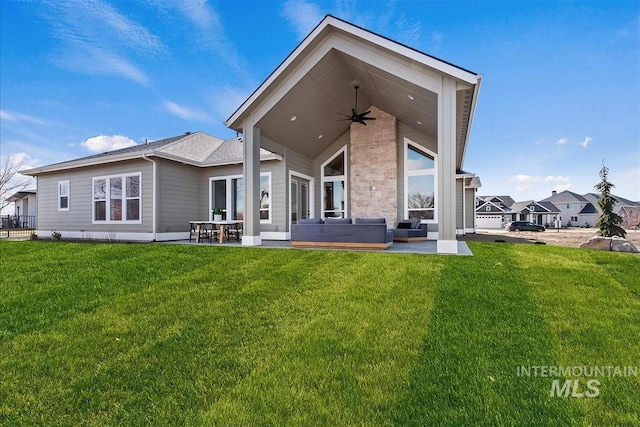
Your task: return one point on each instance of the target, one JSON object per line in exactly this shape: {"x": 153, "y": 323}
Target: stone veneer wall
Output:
{"x": 373, "y": 169}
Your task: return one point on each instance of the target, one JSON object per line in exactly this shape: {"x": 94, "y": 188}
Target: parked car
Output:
{"x": 524, "y": 226}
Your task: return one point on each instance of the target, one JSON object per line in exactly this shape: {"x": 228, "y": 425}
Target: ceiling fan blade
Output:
{"x": 368, "y": 118}
{"x": 365, "y": 113}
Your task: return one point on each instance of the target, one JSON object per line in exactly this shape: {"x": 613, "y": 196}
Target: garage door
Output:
{"x": 489, "y": 221}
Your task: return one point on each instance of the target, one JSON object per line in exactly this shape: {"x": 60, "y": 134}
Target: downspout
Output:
{"x": 153, "y": 204}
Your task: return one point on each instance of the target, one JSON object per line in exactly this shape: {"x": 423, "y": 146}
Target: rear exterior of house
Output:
{"x": 294, "y": 160}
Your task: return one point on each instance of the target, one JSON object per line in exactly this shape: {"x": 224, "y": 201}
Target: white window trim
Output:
{"x": 228, "y": 179}
{"x": 335, "y": 178}
{"x": 68, "y": 196}
{"x": 407, "y": 173}
{"x": 124, "y": 199}
{"x": 312, "y": 193}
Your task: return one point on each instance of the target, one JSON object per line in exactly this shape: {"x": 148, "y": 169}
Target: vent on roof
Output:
{"x": 187, "y": 133}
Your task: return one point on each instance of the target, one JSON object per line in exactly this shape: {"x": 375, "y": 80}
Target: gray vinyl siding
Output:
{"x": 459, "y": 204}
{"x": 79, "y": 216}
{"x": 178, "y": 193}
{"x": 470, "y": 194}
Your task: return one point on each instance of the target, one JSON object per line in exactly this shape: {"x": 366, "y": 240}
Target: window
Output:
{"x": 117, "y": 198}
{"x": 420, "y": 183}
{"x": 574, "y": 219}
{"x": 227, "y": 194}
{"x": 63, "y": 195}
{"x": 334, "y": 192}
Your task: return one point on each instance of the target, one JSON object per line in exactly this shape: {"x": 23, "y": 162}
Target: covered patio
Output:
{"x": 417, "y": 100}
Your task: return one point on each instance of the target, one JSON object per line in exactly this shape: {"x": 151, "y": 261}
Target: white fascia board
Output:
{"x": 429, "y": 61}
{"x": 236, "y": 117}
{"x": 472, "y": 114}
{"x": 74, "y": 164}
{"x": 235, "y": 120}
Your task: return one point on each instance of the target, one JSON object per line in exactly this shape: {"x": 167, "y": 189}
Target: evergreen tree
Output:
{"x": 608, "y": 221}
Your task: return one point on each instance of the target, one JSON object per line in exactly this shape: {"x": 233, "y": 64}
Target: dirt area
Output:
{"x": 571, "y": 237}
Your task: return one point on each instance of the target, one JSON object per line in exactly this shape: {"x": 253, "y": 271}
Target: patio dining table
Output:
{"x": 207, "y": 226}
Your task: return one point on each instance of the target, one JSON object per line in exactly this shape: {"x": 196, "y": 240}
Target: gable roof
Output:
{"x": 588, "y": 209}
{"x": 297, "y": 105}
{"x": 565, "y": 196}
{"x": 506, "y": 200}
{"x": 196, "y": 149}
{"x": 620, "y": 201}
{"x": 539, "y": 207}
{"x": 493, "y": 208}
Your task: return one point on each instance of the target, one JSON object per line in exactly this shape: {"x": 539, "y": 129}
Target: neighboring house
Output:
{"x": 541, "y": 213}
{"x": 493, "y": 212}
{"x": 627, "y": 209}
{"x": 408, "y": 163}
{"x": 575, "y": 210}
{"x": 25, "y": 209}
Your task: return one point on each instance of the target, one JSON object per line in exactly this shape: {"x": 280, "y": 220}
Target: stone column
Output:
{"x": 373, "y": 169}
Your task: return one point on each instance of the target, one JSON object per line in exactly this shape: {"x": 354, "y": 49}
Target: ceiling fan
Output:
{"x": 357, "y": 117}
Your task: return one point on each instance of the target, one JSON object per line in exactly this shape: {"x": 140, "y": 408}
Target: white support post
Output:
{"x": 251, "y": 173}
{"x": 447, "y": 242}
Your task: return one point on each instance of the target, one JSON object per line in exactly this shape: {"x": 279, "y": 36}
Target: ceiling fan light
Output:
{"x": 410, "y": 97}
{"x": 320, "y": 136}
{"x": 293, "y": 118}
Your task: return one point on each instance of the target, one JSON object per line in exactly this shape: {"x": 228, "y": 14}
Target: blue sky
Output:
{"x": 561, "y": 88}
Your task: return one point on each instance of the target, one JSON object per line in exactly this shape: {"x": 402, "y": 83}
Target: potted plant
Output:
{"x": 217, "y": 214}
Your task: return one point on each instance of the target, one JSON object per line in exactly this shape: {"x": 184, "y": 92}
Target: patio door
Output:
{"x": 299, "y": 196}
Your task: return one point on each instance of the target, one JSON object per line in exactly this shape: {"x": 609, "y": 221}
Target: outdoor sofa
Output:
{"x": 410, "y": 231}
{"x": 363, "y": 233}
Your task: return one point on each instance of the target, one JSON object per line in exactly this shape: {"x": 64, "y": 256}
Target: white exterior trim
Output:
{"x": 344, "y": 178}
{"x": 252, "y": 240}
{"x": 312, "y": 193}
{"x": 447, "y": 246}
{"x": 228, "y": 179}
{"x": 68, "y": 195}
{"x": 107, "y": 178}
{"x": 275, "y": 235}
{"x": 405, "y": 208}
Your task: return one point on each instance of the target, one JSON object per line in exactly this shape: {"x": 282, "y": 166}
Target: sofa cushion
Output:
{"x": 310, "y": 221}
{"x": 371, "y": 221}
{"x": 337, "y": 221}
{"x": 404, "y": 225}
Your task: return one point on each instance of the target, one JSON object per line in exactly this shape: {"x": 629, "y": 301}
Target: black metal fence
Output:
{"x": 17, "y": 225}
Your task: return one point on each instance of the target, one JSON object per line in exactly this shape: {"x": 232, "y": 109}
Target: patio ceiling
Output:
{"x": 328, "y": 89}
{"x": 298, "y": 105}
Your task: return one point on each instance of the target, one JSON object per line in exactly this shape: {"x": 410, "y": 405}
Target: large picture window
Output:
{"x": 63, "y": 195}
{"x": 227, "y": 194}
{"x": 420, "y": 183}
{"x": 116, "y": 198}
{"x": 334, "y": 192}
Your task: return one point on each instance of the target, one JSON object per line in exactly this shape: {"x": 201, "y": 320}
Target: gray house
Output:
{"x": 397, "y": 153}
{"x": 575, "y": 210}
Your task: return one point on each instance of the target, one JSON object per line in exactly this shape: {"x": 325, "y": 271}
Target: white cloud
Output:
{"x": 185, "y": 113}
{"x": 95, "y": 39}
{"x": 102, "y": 143}
{"x": 562, "y": 141}
{"x": 18, "y": 117}
{"x": 586, "y": 141}
{"x": 558, "y": 178}
{"x": 302, "y": 15}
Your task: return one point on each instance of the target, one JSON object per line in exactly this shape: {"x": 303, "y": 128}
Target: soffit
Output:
{"x": 328, "y": 89}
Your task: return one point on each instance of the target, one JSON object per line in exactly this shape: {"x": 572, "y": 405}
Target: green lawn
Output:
{"x": 153, "y": 334}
